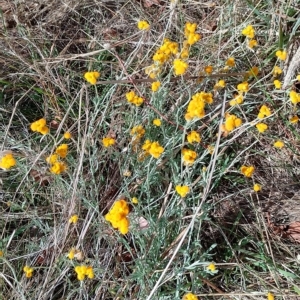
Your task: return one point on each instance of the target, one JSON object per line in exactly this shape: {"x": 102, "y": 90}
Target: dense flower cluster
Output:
{"x": 231, "y": 122}
{"x": 261, "y": 127}
{"x": 28, "y": 271}
{"x": 249, "y": 31}
{"x": 153, "y": 148}
{"x": 40, "y": 126}
{"x": 237, "y": 100}
{"x": 83, "y": 271}
{"x": 62, "y": 150}
{"x": 247, "y": 171}
{"x": 188, "y": 156}
{"x": 155, "y": 86}
{"x": 243, "y": 87}
{"x": 143, "y": 25}
{"x": 165, "y": 51}
{"x": 190, "y": 33}
{"x": 137, "y": 131}
{"x": 182, "y": 190}
{"x": 281, "y": 55}
{"x": 157, "y": 122}
{"x": 7, "y": 161}
{"x": 277, "y": 84}
{"x": 117, "y": 216}
{"x": 108, "y": 142}
{"x": 91, "y": 77}
{"x": 189, "y": 296}
{"x": 197, "y": 104}
{"x": 193, "y": 137}
{"x": 57, "y": 166}
{"x": 278, "y": 144}
{"x": 294, "y": 97}
{"x": 73, "y": 219}
{"x": 264, "y": 111}
{"x": 180, "y": 66}
{"x": 134, "y": 99}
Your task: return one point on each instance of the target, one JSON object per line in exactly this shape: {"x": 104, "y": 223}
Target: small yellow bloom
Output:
{"x": 264, "y": 111}
{"x": 137, "y": 131}
{"x": 252, "y": 44}
{"x": 231, "y": 122}
{"x": 39, "y": 126}
{"x": 67, "y": 135}
{"x": 91, "y": 77}
{"x": 1, "y": 253}
{"x": 182, "y": 190}
{"x": 143, "y": 25}
{"x": 62, "y": 150}
{"x": 249, "y": 32}
{"x": 71, "y": 254}
{"x": 135, "y": 200}
{"x": 156, "y": 149}
{"x": 270, "y": 296}
{"x": 7, "y": 161}
{"x": 51, "y": 159}
{"x": 28, "y": 271}
{"x": 208, "y": 69}
{"x": 83, "y": 271}
{"x": 108, "y": 142}
{"x": 73, "y": 219}
{"x": 281, "y": 55}
{"x": 58, "y": 167}
{"x": 188, "y": 156}
{"x": 134, "y": 99}
{"x": 277, "y": 84}
{"x": 294, "y": 97}
{"x": 253, "y": 71}
{"x": 184, "y": 53}
{"x": 261, "y": 127}
{"x": 243, "y": 87}
{"x": 247, "y": 171}
{"x": 220, "y": 84}
{"x": 189, "y": 296}
{"x": 155, "y": 86}
{"x": 230, "y": 62}
{"x": 211, "y": 267}
{"x": 238, "y": 99}
{"x": 257, "y": 187}
{"x": 294, "y": 119}
{"x": 157, "y": 122}
{"x": 277, "y": 71}
{"x": 193, "y": 137}
{"x": 278, "y": 144}
{"x": 180, "y": 66}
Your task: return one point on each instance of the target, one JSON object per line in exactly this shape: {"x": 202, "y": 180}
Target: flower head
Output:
{"x": 58, "y": 167}
{"x": 40, "y": 126}
{"x": 51, "y": 159}
{"x": 277, "y": 71}
{"x": 62, "y": 150}
{"x": 28, "y": 271}
{"x": 143, "y": 25}
{"x": 134, "y": 99}
{"x": 135, "y": 200}
{"x": 231, "y": 122}
{"x": 108, "y": 142}
{"x": 182, "y": 190}
{"x": 278, "y": 144}
{"x": 294, "y": 119}
{"x": 155, "y": 86}
{"x": 257, "y": 187}
{"x": 196, "y": 106}
{"x": 208, "y": 69}
{"x": 281, "y": 55}
{"x": 211, "y": 267}
{"x": 220, "y": 84}
{"x": 270, "y": 296}
{"x": 277, "y": 84}
{"x": 73, "y": 219}
{"x": 252, "y": 43}
{"x": 83, "y": 271}
{"x": 157, "y": 122}
{"x": 137, "y": 131}
{"x": 249, "y": 32}
{"x": 156, "y": 150}
{"x": 230, "y": 62}
{"x": 71, "y": 254}
{"x": 189, "y": 296}
{"x": 188, "y": 156}
{"x": 7, "y": 161}
{"x": 67, "y": 135}
{"x": 238, "y": 99}
{"x": 243, "y": 87}
{"x": 91, "y": 77}
{"x": 264, "y": 111}
{"x": 261, "y": 127}
{"x": 247, "y": 170}
{"x": 180, "y": 66}
{"x": 294, "y": 97}
{"x": 193, "y": 137}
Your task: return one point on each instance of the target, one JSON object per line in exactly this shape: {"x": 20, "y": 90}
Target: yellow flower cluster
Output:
{"x": 249, "y": 32}
{"x": 83, "y": 271}
{"x": 238, "y": 99}
{"x": 157, "y": 122}
{"x": 211, "y": 267}
{"x": 67, "y": 135}
{"x": 188, "y": 156}
{"x": 231, "y": 122}
{"x": 247, "y": 171}
{"x": 7, "y": 161}
{"x": 261, "y": 127}
{"x": 91, "y": 77}
{"x": 117, "y": 216}
{"x": 243, "y": 87}
{"x": 230, "y": 62}
{"x": 256, "y": 187}
{"x": 278, "y": 144}
{"x": 182, "y": 190}
{"x": 264, "y": 111}
{"x": 75, "y": 253}
{"x": 155, "y": 86}
{"x": 28, "y": 271}
{"x": 62, "y": 150}
{"x": 137, "y": 131}
{"x": 58, "y": 166}
{"x": 143, "y": 25}
{"x": 197, "y": 104}
{"x": 193, "y": 137}
{"x": 281, "y": 55}
{"x": 208, "y": 69}
{"x": 73, "y": 219}
{"x": 108, "y": 142}
{"x": 220, "y": 84}
{"x": 277, "y": 71}
{"x": 294, "y": 97}
{"x": 165, "y": 51}
{"x": 189, "y": 296}
{"x": 277, "y": 84}
{"x": 153, "y": 148}
{"x": 134, "y": 99}
{"x": 180, "y": 66}
{"x": 190, "y": 33}
{"x": 40, "y": 126}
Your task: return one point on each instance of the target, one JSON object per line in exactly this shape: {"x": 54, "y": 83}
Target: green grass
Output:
{"x": 171, "y": 240}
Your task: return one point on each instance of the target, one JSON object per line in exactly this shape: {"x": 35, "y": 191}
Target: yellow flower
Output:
{"x": 294, "y": 97}
{"x": 135, "y": 200}
{"x": 281, "y": 55}
{"x": 39, "y": 126}
{"x": 264, "y": 111}
{"x": 211, "y": 267}
{"x": 157, "y": 122}
{"x": 156, "y": 150}
{"x": 257, "y": 187}
{"x": 243, "y": 87}
{"x": 143, "y": 25}
{"x": 138, "y": 131}
{"x": 247, "y": 171}
{"x": 231, "y": 122}
{"x": 298, "y": 77}
{"x": 238, "y": 99}
{"x": 294, "y": 119}
{"x": 180, "y": 66}
{"x": 184, "y": 53}
{"x": 261, "y": 127}
{"x": 193, "y": 137}
{"x": 83, "y": 271}
{"x": 277, "y": 84}
{"x": 51, "y": 159}
{"x": 253, "y": 71}
{"x": 189, "y": 296}
{"x": 62, "y": 150}
{"x": 134, "y": 99}
{"x": 189, "y": 28}
{"x": 208, "y": 69}
{"x": 155, "y": 86}
{"x": 196, "y": 106}
{"x": 67, "y": 135}
{"x": 1, "y": 253}
{"x": 278, "y": 144}
{"x": 220, "y": 84}
{"x": 230, "y": 62}
{"x": 71, "y": 254}
{"x": 252, "y": 44}
{"x": 7, "y": 161}
{"x": 270, "y": 296}
{"x": 249, "y": 32}
{"x": 91, "y": 77}
{"x": 108, "y": 142}
{"x": 182, "y": 190}
{"x": 58, "y": 167}
{"x": 193, "y": 38}
{"x": 277, "y": 71}
{"x": 73, "y": 219}
{"x": 28, "y": 271}
{"x": 189, "y": 156}
{"x": 146, "y": 146}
